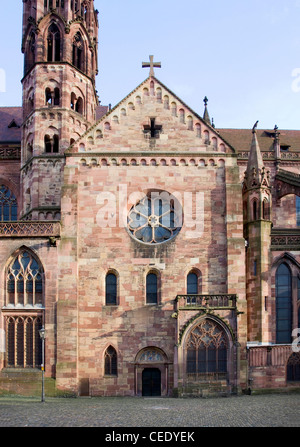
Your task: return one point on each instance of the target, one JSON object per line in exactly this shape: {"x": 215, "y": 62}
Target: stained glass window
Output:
{"x": 8, "y": 205}
{"x": 283, "y": 305}
{"x": 23, "y": 343}
{"x": 24, "y": 283}
{"x": 206, "y": 352}
{"x": 53, "y": 44}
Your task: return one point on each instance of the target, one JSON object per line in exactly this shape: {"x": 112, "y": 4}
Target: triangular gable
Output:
{"x": 129, "y": 126}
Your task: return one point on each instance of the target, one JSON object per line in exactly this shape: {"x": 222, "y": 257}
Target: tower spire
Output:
{"x": 255, "y": 173}
{"x": 206, "y": 114}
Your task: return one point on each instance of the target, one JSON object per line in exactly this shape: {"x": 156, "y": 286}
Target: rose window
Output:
{"x": 156, "y": 218}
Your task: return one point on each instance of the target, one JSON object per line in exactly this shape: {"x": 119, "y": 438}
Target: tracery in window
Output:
{"x": 23, "y": 311}
{"x": 206, "y": 352}
{"x": 110, "y": 362}
{"x": 156, "y": 218}
{"x": 53, "y": 50}
{"x": 30, "y": 52}
{"x": 8, "y": 205}
{"x": 23, "y": 343}
{"x": 24, "y": 282}
{"x": 78, "y": 51}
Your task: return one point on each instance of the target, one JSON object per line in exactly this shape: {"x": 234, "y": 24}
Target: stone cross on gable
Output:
{"x": 151, "y": 65}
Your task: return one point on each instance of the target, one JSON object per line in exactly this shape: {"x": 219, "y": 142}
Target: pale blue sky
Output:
{"x": 244, "y": 55}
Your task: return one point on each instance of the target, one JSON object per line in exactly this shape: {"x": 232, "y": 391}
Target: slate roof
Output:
{"x": 10, "y": 124}
{"x": 11, "y": 119}
{"x": 241, "y": 139}
{"x": 101, "y": 111}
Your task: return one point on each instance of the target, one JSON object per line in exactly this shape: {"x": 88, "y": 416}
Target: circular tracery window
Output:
{"x": 156, "y": 218}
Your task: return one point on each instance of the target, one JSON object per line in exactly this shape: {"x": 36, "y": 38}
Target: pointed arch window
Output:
{"x": 78, "y": 51}
{"x": 23, "y": 311}
{"x": 255, "y": 209}
{"x": 30, "y": 52}
{"x": 110, "y": 362}
{"x": 53, "y": 49}
{"x": 283, "y": 304}
{"x": 24, "y": 282}
{"x": 8, "y": 205}
{"x": 265, "y": 209}
{"x": 111, "y": 289}
{"x": 206, "y": 352}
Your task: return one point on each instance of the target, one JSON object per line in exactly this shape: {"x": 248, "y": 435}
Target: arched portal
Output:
{"x": 207, "y": 357}
{"x": 151, "y": 372}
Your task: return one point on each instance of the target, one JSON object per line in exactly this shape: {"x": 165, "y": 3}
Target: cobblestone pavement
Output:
{"x": 272, "y": 410}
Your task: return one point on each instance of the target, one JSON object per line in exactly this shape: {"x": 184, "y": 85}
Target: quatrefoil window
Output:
{"x": 156, "y": 218}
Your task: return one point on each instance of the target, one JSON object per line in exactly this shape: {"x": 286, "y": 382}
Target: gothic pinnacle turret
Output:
{"x": 255, "y": 174}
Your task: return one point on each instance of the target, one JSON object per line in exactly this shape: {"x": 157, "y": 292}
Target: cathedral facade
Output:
{"x": 161, "y": 255}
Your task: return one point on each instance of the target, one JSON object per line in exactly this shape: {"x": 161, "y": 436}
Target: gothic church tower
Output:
{"x": 59, "y": 97}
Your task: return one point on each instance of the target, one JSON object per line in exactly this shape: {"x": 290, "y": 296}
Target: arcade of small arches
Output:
{"x": 140, "y": 161}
